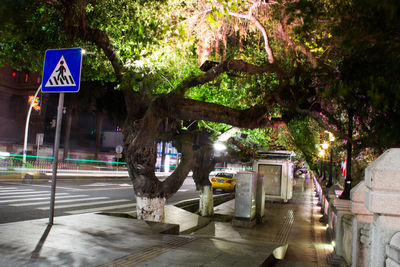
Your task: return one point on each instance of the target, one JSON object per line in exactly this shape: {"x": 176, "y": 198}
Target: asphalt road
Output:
{"x": 20, "y": 202}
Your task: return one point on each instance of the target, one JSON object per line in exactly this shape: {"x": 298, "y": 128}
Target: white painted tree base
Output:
{"x": 150, "y": 209}
{"x": 206, "y": 207}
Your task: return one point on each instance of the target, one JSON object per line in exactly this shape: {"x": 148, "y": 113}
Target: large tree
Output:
{"x": 268, "y": 64}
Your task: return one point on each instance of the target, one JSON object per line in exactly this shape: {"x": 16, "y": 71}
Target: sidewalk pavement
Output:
{"x": 102, "y": 240}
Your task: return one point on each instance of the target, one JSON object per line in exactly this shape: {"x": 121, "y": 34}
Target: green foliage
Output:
{"x": 265, "y": 139}
{"x": 224, "y": 90}
{"x": 27, "y": 27}
{"x": 139, "y": 35}
{"x": 162, "y": 43}
{"x": 368, "y": 68}
{"x": 305, "y": 137}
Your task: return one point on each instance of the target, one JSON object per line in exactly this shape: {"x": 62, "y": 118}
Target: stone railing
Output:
{"x": 393, "y": 251}
{"x": 337, "y": 216}
{"x": 366, "y": 229}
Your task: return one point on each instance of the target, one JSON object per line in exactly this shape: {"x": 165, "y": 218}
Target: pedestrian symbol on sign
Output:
{"x": 61, "y": 69}
{"x": 61, "y": 76}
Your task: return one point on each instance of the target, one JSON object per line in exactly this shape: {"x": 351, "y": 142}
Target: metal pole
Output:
{"x": 27, "y": 127}
{"x": 330, "y": 181}
{"x": 321, "y": 168}
{"x": 37, "y": 152}
{"x": 55, "y": 154}
{"x": 348, "y": 181}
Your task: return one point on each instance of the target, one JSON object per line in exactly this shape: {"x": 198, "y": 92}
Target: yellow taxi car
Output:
{"x": 224, "y": 181}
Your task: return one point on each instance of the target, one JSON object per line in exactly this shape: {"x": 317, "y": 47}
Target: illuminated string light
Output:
{"x": 35, "y": 101}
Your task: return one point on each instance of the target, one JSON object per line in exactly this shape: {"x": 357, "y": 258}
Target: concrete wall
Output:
{"x": 367, "y": 228}
{"x": 393, "y": 251}
{"x": 382, "y": 198}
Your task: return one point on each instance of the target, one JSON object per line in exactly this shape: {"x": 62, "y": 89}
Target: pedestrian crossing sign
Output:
{"x": 62, "y": 70}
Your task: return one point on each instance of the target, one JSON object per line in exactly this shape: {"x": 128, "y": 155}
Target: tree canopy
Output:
{"x": 249, "y": 64}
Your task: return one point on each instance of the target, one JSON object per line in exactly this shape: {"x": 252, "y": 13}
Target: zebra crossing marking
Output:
{"x": 101, "y": 209}
{"x": 37, "y": 195}
{"x": 108, "y": 184}
{"x": 102, "y": 189}
{"x": 18, "y": 193}
{"x": 39, "y": 185}
{"x": 17, "y": 197}
{"x": 39, "y": 198}
{"x": 86, "y": 204}
{"x": 58, "y": 201}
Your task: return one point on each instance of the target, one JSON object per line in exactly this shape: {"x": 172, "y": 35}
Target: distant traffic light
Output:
{"x": 35, "y": 101}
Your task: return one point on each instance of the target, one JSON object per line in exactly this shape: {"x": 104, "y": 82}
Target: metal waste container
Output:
{"x": 245, "y": 199}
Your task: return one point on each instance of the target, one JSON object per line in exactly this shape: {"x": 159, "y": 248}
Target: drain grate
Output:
{"x": 169, "y": 243}
{"x": 283, "y": 234}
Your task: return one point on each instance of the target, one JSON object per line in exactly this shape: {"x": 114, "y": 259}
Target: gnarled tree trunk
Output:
{"x": 202, "y": 167}
{"x": 141, "y": 155}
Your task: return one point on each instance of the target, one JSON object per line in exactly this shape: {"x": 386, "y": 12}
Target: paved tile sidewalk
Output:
{"x": 101, "y": 240}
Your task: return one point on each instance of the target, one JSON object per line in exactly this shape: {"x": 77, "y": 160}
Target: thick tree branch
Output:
{"x": 75, "y": 25}
{"x": 226, "y": 66}
{"x": 250, "y": 16}
{"x": 253, "y": 19}
{"x": 189, "y": 109}
{"x": 251, "y": 153}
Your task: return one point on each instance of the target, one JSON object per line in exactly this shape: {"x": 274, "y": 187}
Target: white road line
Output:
{"x": 102, "y": 209}
{"x": 183, "y": 190}
{"x": 58, "y": 201}
{"x": 22, "y": 190}
{"x": 39, "y": 198}
{"x": 108, "y": 184}
{"x": 99, "y": 184}
{"x": 39, "y": 185}
{"x": 87, "y": 204}
{"x": 101, "y": 189}
{"x": 19, "y": 193}
{"x": 38, "y": 195}
{"x": 7, "y": 188}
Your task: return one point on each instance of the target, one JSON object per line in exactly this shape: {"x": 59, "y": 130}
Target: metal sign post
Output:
{"x": 61, "y": 74}
{"x": 39, "y": 142}
{"x": 55, "y": 153}
{"x": 118, "y": 150}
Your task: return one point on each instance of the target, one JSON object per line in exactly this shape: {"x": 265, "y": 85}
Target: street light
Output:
{"x": 219, "y": 147}
{"x": 321, "y": 154}
{"x": 28, "y": 117}
{"x": 325, "y": 146}
{"x": 331, "y": 139}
